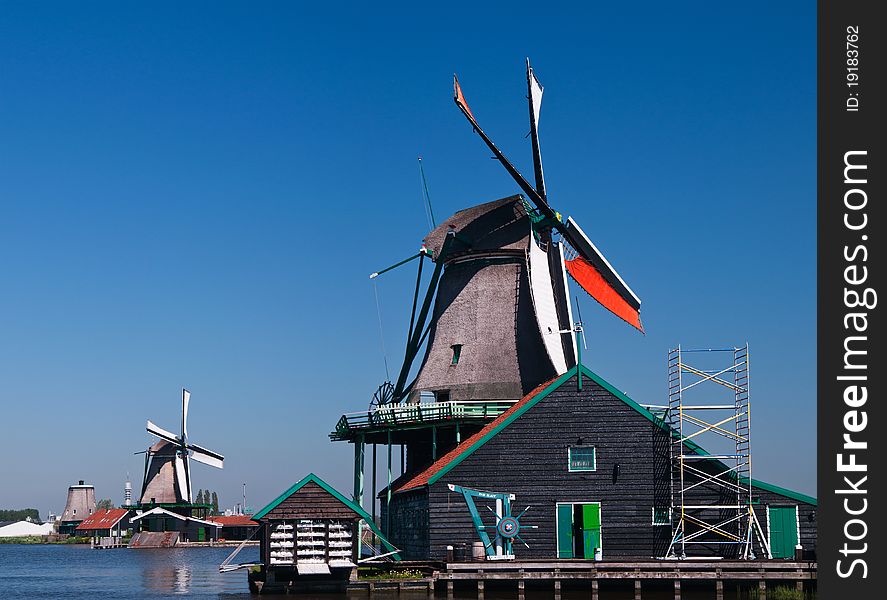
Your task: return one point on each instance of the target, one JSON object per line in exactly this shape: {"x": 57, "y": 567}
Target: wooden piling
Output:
{"x": 719, "y": 589}
{"x": 637, "y": 589}
{"x": 594, "y": 590}
{"x": 762, "y": 589}
{"x": 677, "y": 589}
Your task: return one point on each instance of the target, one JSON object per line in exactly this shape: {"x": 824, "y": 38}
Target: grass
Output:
{"x": 779, "y": 592}
{"x": 400, "y": 574}
{"x": 29, "y": 539}
{"x": 39, "y": 539}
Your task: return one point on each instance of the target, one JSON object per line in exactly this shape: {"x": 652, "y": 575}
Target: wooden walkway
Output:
{"x": 717, "y": 572}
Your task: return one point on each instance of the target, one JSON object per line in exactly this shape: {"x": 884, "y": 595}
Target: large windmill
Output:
{"x": 502, "y": 320}
{"x": 167, "y": 463}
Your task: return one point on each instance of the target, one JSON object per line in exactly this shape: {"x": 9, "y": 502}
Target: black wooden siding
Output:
{"x": 311, "y": 502}
{"x": 529, "y": 458}
{"x": 409, "y": 523}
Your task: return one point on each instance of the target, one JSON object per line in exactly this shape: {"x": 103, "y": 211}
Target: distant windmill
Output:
{"x": 167, "y": 463}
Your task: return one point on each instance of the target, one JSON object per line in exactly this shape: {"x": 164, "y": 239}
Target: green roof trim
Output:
{"x": 624, "y": 398}
{"x": 784, "y": 491}
{"x": 311, "y": 477}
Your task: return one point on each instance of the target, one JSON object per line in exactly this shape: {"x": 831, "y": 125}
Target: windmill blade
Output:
{"x": 187, "y": 462}
{"x": 186, "y": 399}
{"x": 534, "y": 98}
{"x": 207, "y": 457}
{"x": 594, "y": 274}
{"x": 182, "y": 479}
{"x": 162, "y": 433}
{"x": 145, "y": 475}
{"x": 538, "y": 201}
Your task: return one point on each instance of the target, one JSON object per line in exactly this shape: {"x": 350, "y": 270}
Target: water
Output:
{"x": 75, "y": 571}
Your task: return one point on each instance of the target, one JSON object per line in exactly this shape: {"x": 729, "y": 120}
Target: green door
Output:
{"x": 591, "y": 529}
{"x": 564, "y": 531}
{"x": 783, "y": 530}
{"x": 201, "y": 534}
{"x": 578, "y": 530}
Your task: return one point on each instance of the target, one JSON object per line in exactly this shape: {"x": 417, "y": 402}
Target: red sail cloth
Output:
{"x": 594, "y": 283}
{"x": 460, "y": 98}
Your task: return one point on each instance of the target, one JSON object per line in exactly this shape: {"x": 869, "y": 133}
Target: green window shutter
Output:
{"x": 565, "y": 531}
{"x": 457, "y": 352}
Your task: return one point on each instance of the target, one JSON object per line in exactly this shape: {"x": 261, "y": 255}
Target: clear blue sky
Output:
{"x": 194, "y": 195}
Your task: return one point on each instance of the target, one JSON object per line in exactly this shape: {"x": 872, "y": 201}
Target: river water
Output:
{"x": 76, "y": 571}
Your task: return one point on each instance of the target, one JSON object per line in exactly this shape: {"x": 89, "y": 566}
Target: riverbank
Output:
{"x": 43, "y": 539}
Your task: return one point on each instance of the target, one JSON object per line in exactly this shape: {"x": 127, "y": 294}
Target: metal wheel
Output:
{"x": 384, "y": 395}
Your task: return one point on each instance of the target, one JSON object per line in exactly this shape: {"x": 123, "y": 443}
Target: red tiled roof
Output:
{"x": 421, "y": 478}
{"x": 234, "y": 521}
{"x": 103, "y": 519}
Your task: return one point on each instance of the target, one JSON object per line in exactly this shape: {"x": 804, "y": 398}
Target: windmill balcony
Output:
{"x": 401, "y": 417}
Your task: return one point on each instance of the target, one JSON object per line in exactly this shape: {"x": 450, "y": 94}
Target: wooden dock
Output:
{"x": 802, "y": 575}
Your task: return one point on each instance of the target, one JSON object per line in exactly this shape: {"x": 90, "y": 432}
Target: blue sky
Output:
{"x": 195, "y": 196}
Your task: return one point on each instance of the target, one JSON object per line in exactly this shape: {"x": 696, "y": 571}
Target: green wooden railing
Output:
{"x": 404, "y": 415}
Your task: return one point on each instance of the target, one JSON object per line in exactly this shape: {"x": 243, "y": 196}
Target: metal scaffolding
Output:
{"x": 711, "y": 494}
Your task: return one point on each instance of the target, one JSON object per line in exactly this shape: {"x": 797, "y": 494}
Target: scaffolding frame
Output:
{"x": 711, "y": 494}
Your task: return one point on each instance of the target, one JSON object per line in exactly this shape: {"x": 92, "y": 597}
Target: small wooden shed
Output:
{"x": 311, "y": 534}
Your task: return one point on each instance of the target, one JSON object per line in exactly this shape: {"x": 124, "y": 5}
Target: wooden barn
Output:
{"x": 106, "y": 523}
{"x": 591, "y": 464}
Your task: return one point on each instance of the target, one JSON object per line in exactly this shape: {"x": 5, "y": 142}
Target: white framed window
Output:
{"x": 661, "y": 515}
{"x": 581, "y": 458}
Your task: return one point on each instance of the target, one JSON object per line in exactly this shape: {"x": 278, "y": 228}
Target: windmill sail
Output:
{"x": 543, "y": 302}
{"x": 594, "y": 274}
{"x": 182, "y": 479}
{"x": 541, "y": 204}
{"x": 207, "y": 457}
{"x": 162, "y": 433}
{"x": 186, "y": 399}
{"x": 534, "y": 96}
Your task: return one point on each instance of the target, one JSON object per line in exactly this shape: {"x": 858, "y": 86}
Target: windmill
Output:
{"x": 502, "y": 321}
{"x": 167, "y": 463}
